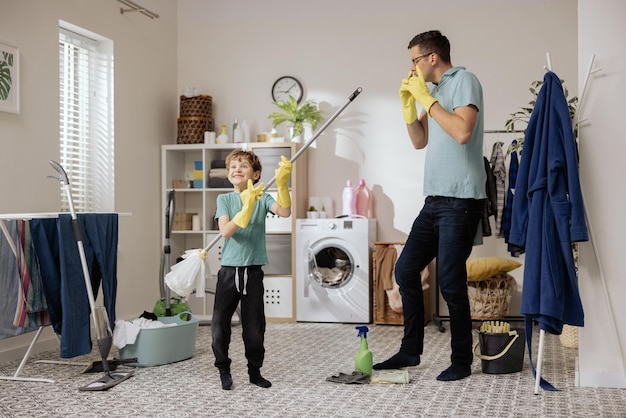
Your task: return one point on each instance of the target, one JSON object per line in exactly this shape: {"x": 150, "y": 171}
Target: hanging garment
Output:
{"x": 491, "y": 200}
{"x": 499, "y": 174}
{"x": 32, "y": 308}
{"x": 62, "y": 274}
{"x": 10, "y": 282}
{"x": 508, "y": 204}
{"x": 548, "y": 213}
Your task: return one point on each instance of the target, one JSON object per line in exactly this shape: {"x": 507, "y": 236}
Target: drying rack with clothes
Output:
{"x": 42, "y": 269}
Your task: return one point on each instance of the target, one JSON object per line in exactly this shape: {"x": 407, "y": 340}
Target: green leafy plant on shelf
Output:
{"x": 522, "y": 116}
{"x": 307, "y": 112}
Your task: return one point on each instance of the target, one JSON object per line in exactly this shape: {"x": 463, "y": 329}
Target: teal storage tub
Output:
{"x": 158, "y": 346}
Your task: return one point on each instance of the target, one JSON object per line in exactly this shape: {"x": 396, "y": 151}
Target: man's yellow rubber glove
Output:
{"x": 282, "y": 177}
{"x": 248, "y": 198}
{"x": 418, "y": 89}
{"x": 409, "y": 111}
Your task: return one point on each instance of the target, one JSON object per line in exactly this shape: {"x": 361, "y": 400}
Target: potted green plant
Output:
{"x": 297, "y": 115}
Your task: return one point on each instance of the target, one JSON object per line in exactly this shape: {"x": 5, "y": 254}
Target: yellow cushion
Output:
{"x": 482, "y": 268}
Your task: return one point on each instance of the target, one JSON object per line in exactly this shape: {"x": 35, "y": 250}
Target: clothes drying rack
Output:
{"x": 17, "y": 375}
{"x": 576, "y": 121}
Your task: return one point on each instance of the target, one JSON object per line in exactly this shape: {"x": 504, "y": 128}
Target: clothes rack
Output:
{"x": 17, "y": 375}
{"x": 576, "y": 120}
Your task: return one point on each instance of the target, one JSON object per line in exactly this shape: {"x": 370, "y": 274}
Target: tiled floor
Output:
{"x": 299, "y": 357}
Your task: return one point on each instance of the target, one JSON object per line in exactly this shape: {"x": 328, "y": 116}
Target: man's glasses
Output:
{"x": 417, "y": 59}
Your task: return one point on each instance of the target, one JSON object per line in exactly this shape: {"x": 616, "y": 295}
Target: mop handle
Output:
{"x": 79, "y": 242}
{"x": 301, "y": 150}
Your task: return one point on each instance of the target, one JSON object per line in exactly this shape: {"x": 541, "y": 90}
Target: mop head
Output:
{"x": 107, "y": 381}
{"x": 189, "y": 274}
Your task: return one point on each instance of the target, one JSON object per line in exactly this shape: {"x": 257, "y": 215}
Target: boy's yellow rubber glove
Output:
{"x": 418, "y": 89}
{"x": 282, "y": 177}
{"x": 248, "y": 198}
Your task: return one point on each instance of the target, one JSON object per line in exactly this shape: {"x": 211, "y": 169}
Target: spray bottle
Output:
{"x": 363, "y": 361}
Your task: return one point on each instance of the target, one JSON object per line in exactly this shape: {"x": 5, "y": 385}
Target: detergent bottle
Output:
{"x": 363, "y": 199}
{"x": 223, "y": 137}
{"x": 348, "y": 200}
{"x": 363, "y": 361}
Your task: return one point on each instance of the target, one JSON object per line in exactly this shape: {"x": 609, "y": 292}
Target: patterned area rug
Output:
{"x": 299, "y": 358}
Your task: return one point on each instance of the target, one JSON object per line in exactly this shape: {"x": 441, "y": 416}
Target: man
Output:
{"x": 451, "y": 124}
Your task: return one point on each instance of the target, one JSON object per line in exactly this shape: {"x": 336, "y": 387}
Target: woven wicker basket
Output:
{"x": 191, "y": 129}
{"x": 489, "y": 298}
{"x": 197, "y": 106}
{"x": 569, "y": 336}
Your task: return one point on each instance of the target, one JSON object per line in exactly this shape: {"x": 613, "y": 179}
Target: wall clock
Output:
{"x": 285, "y": 87}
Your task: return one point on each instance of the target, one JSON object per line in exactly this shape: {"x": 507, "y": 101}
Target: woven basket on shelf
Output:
{"x": 191, "y": 129}
{"x": 489, "y": 298}
{"x": 197, "y": 106}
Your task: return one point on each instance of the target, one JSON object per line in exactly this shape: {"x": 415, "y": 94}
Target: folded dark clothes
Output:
{"x": 219, "y": 183}
{"x": 354, "y": 378}
{"x": 218, "y": 164}
{"x": 218, "y": 172}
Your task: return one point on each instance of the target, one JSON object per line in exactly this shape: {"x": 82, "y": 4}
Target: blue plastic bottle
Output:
{"x": 363, "y": 361}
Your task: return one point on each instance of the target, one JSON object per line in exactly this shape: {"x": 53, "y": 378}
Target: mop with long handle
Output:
{"x": 190, "y": 272}
{"x": 104, "y": 336}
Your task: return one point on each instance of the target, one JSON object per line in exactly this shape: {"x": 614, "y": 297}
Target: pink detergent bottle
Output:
{"x": 363, "y": 198}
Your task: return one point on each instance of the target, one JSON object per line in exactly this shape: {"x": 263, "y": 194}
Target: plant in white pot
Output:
{"x": 297, "y": 115}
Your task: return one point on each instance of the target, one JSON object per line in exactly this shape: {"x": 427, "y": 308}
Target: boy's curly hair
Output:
{"x": 244, "y": 155}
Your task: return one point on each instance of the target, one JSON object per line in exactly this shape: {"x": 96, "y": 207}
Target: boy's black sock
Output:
{"x": 398, "y": 361}
{"x": 257, "y": 379}
{"x": 227, "y": 380}
{"x": 454, "y": 372}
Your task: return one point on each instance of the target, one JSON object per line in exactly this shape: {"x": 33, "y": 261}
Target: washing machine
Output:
{"x": 333, "y": 279}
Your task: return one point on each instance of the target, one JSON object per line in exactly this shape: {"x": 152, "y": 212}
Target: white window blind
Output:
{"x": 86, "y": 119}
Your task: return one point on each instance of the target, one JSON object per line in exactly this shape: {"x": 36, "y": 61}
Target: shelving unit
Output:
{"x": 179, "y": 159}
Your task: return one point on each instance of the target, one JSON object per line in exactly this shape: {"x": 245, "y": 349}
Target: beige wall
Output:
{"x": 235, "y": 50}
{"x": 146, "y": 102}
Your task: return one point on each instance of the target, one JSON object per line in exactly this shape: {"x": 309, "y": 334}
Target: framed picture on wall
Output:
{"x": 9, "y": 78}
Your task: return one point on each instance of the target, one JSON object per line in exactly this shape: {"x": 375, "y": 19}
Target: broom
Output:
{"x": 190, "y": 272}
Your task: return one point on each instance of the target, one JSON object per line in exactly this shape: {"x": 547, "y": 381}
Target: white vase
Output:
{"x": 297, "y": 138}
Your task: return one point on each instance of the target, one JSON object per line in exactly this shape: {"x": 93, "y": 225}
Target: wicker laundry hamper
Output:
{"x": 569, "y": 336}
{"x": 489, "y": 298}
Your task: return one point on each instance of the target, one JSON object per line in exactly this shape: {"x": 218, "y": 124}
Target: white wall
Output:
{"x": 146, "y": 102}
{"x": 603, "y": 339}
{"x": 235, "y": 50}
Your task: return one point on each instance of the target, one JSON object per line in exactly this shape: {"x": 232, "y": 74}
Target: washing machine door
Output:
{"x": 335, "y": 285}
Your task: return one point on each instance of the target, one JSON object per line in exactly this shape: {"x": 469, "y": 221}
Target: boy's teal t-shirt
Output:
{"x": 247, "y": 246}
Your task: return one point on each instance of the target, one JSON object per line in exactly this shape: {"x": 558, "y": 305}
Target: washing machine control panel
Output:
{"x": 340, "y": 224}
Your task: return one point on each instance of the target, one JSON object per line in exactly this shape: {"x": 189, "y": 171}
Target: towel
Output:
{"x": 354, "y": 378}
{"x": 391, "y": 376}
{"x": 126, "y": 332}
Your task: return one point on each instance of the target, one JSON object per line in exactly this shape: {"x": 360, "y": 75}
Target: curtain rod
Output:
{"x": 134, "y": 7}
{"x": 491, "y": 131}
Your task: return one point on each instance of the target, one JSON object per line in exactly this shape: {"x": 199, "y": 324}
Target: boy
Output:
{"x": 241, "y": 218}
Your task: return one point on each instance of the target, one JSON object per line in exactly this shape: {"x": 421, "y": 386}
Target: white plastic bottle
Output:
{"x": 348, "y": 199}
{"x": 363, "y": 200}
{"x": 237, "y": 133}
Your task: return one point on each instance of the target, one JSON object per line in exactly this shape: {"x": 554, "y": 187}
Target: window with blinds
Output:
{"x": 86, "y": 118}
